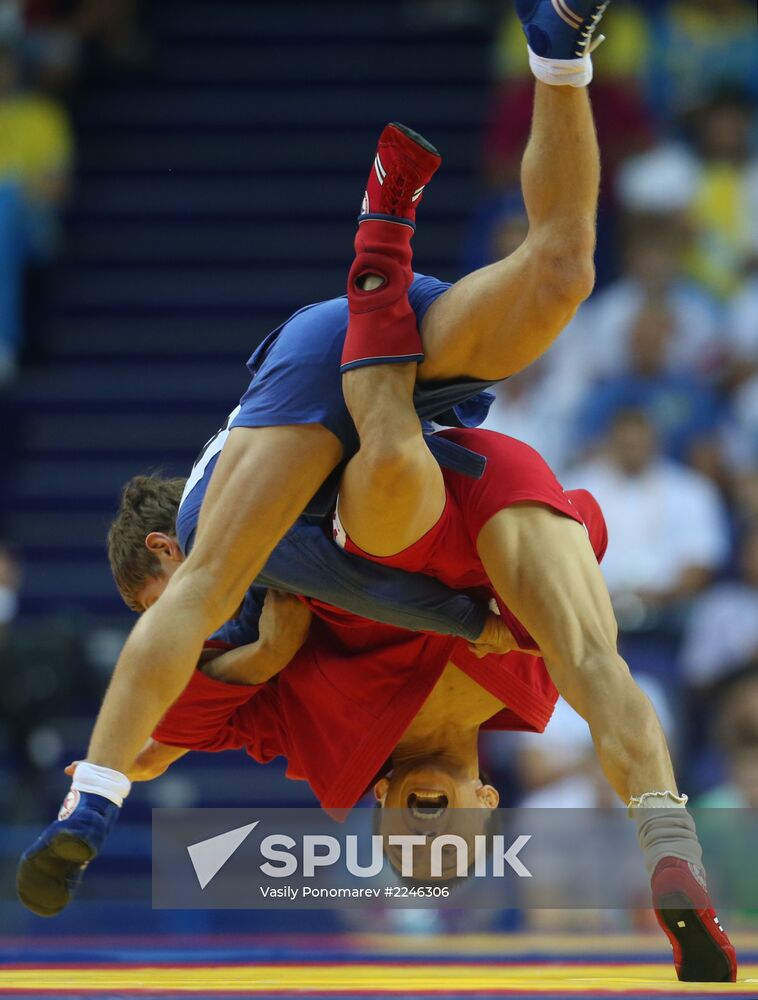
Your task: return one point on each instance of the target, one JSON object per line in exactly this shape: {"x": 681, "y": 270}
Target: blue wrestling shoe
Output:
{"x": 51, "y": 869}
{"x": 561, "y": 29}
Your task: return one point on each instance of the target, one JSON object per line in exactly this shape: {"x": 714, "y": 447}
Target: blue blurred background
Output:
{"x": 177, "y": 177}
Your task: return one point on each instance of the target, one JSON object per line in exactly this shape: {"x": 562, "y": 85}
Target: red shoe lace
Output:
{"x": 400, "y": 185}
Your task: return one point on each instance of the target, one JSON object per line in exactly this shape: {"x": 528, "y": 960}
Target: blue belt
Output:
{"x": 455, "y": 457}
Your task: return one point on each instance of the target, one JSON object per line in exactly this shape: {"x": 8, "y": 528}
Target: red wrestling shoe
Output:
{"x": 702, "y": 951}
{"x": 382, "y": 328}
{"x": 404, "y": 164}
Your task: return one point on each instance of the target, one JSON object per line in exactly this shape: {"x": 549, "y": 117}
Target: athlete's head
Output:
{"x": 142, "y": 546}
{"x": 632, "y": 441}
{"x": 434, "y": 795}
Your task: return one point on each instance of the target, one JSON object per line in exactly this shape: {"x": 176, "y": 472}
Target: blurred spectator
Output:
{"x": 652, "y": 248}
{"x": 714, "y": 183}
{"x": 736, "y": 735}
{"x": 57, "y": 33}
{"x": 538, "y": 406}
{"x": 741, "y": 433}
{"x": 682, "y": 409}
{"x": 702, "y": 44}
{"x": 560, "y": 769}
{"x": 10, "y": 582}
{"x": 724, "y": 210}
{"x": 666, "y": 525}
{"x": 35, "y": 159}
{"x": 722, "y": 627}
{"x": 744, "y": 499}
{"x": 622, "y": 120}
{"x": 742, "y": 328}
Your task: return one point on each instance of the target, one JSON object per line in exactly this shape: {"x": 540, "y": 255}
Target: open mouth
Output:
{"x": 427, "y": 805}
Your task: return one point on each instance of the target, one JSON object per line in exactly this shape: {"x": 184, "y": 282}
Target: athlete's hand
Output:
{"x": 282, "y": 630}
{"x": 51, "y": 869}
{"x": 284, "y": 624}
{"x": 152, "y": 761}
{"x": 496, "y": 637}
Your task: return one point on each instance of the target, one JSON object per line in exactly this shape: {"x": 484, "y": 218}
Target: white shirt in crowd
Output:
{"x": 660, "y": 523}
{"x": 567, "y": 739}
{"x": 742, "y": 322}
{"x": 539, "y": 410}
{"x": 721, "y": 633}
{"x": 597, "y": 342}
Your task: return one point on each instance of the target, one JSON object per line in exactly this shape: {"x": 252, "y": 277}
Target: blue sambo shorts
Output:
{"x": 296, "y": 374}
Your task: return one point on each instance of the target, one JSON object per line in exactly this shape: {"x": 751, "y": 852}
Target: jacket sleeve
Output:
{"x": 308, "y": 563}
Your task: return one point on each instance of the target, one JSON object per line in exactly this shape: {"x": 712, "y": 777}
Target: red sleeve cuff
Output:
{"x": 202, "y": 716}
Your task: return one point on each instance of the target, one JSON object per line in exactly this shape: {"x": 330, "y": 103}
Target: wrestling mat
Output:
{"x": 544, "y": 966}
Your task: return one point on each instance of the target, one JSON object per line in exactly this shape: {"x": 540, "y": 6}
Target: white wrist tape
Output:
{"x": 103, "y": 781}
{"x": 562, "y": 72}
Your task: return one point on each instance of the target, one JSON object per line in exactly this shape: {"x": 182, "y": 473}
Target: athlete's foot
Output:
{"x": 683, "y": 908}
{"x": 404, "y": 164}
{"x": 382, "y": 327}
{"x": 561, "y": 29}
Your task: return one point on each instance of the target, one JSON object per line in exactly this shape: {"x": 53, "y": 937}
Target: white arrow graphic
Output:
{"x": 209, "y": 856}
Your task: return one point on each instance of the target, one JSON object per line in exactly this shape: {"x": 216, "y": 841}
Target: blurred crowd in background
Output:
{"x": 43, "y": 47}
{"x": 649, "y": 399}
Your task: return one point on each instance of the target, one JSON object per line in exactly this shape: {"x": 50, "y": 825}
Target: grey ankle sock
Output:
{"x": 667, "y": 833}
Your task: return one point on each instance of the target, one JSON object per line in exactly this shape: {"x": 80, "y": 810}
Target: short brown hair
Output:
{"x": 148, "y": 503}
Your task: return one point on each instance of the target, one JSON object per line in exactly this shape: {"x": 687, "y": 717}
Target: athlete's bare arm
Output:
{"x": 262, "y": 482}
{"x": 152, "y": 761}
{"x": 283, "y": 628}
{"x": 543, "y": 567}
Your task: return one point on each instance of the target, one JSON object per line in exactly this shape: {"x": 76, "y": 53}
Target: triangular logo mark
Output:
{"x": 209, "y": 856}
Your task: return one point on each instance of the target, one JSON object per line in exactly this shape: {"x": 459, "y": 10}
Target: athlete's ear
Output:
{"x": 489, "y": 797}
{"x": 161, "y": 544}
{"x": 380, "y": 789}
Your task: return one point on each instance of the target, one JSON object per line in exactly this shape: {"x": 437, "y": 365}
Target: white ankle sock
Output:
{"x": 657, "y": 800}
{"x": 103, "y": 781}
{"x": 562, "y": 72}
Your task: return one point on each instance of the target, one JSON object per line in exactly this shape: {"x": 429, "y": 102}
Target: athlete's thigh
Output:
{"x": 493, "y": 322}
{"x": 542, "y": 565}
{"x": 262, "y": 482}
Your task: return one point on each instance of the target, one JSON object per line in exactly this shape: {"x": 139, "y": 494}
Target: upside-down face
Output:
{"x": 432, "y": 797}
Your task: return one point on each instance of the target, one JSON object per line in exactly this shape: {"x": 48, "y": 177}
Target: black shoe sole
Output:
{"x": 72, "y": 849}
{"x": 418, "y": 139}
{"x": 702, "y": 959}
{"x": 41, "y": 882}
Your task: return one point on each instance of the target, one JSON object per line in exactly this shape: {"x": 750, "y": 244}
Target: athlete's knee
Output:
{"x": 389, "y": 463}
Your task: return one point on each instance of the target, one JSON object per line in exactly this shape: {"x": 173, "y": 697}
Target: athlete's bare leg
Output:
{"x": 543, "y": 567}
{"x": 499, "y": 319}
{"x": 392, "y": 491}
